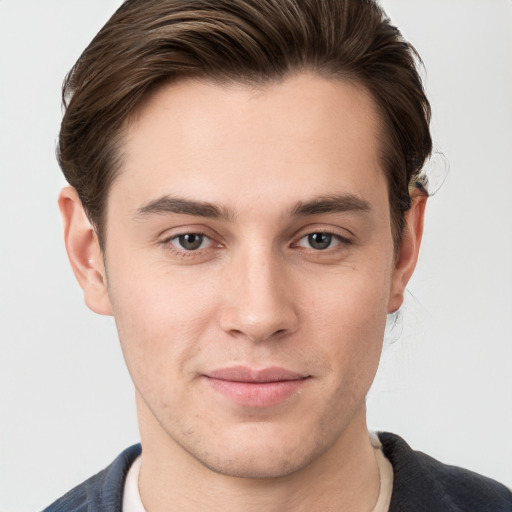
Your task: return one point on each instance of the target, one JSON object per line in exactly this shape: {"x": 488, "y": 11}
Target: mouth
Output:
{"x": 256, "y": 388}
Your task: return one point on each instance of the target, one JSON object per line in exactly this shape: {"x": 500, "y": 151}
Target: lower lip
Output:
{"x": 257, "y": 394}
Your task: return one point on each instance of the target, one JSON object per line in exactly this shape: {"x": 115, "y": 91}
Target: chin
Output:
{"x": 260, "y": 464}
{"x": 256, "y": 452}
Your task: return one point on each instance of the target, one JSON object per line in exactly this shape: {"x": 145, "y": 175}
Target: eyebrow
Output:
{"x": 331, "y": 204}
{"x": 170, "y": 204}
{"x": 316, "y": 206}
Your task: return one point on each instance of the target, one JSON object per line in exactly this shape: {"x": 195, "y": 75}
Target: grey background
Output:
{"x": 66, "y": 401}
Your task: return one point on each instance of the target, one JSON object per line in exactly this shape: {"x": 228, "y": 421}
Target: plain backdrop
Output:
{"x": 445, "y": 384}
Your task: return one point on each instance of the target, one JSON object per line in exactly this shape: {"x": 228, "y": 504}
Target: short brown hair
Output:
{"x": 147, "y": 42}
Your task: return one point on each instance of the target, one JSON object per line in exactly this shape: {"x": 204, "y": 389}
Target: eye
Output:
{"x": 320, "y": 241}
{"x": 190, "y": 241}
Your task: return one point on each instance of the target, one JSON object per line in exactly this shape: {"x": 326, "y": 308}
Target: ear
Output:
{"x": 407, "y": 256}
{"x": 84, "y": 252}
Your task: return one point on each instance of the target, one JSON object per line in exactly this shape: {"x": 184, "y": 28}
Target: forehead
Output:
{"x": 231, "y": 143}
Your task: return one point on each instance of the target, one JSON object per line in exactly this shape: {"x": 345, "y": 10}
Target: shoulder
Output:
{"x": 103, "y": 491}
{"x": 422, "y": 483}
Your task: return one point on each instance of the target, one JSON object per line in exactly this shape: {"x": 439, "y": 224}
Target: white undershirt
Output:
{"x": 385, "y": 474}
{"x": 133, "y": 503}
{"x": 131, "y": 496}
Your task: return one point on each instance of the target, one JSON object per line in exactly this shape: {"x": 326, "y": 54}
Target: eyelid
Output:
{"x": 186, "y": 229}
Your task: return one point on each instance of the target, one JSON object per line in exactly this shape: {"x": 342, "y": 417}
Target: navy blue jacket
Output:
{"x": 420, "y": 484}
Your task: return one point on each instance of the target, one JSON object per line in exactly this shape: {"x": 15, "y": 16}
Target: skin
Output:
{"x": 256, "y": 293}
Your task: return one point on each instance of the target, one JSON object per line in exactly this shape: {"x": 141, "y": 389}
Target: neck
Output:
{"x": 344, "y": 478}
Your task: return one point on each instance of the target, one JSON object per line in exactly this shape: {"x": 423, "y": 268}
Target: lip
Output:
{"x": 256, "y": 387}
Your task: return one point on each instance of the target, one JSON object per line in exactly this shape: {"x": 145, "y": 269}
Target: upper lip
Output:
{"x": 245, "y": 374}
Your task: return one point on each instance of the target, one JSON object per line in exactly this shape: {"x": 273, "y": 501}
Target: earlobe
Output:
{"x": 407, "y": 256}
{"x": 84, "y": 252}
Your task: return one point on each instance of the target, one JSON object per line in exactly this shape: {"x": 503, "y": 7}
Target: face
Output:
{"x": 250, "y": 268}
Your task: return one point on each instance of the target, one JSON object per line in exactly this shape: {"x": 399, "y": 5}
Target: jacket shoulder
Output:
{"x": 423, "y": 483}
{"x": 102, "y": 492}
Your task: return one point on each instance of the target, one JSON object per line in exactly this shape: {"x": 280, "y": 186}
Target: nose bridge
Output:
{"x": 259, "y": 303}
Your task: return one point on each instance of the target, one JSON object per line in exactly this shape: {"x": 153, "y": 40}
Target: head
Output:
{"x": 247, "y": 203}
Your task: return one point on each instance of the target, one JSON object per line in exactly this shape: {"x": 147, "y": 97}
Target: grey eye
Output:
{"x": 320, "y": 241}
{"x": 189, "y": 242}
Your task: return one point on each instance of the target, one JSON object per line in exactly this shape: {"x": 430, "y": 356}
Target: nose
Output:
{"x": 259, "y": 301}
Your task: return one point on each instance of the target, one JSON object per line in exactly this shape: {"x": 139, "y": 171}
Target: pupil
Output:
{"x": 320, "y": 240}
{"x": 191, "y": 241}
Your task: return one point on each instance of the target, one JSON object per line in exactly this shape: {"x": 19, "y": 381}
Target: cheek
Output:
{"x": 159, "y": 318}
{"x": 351, "y": 300}
{"x": 346, "y": 319}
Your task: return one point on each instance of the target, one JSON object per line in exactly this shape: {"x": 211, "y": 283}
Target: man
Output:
{"x": 247, "y": 201}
